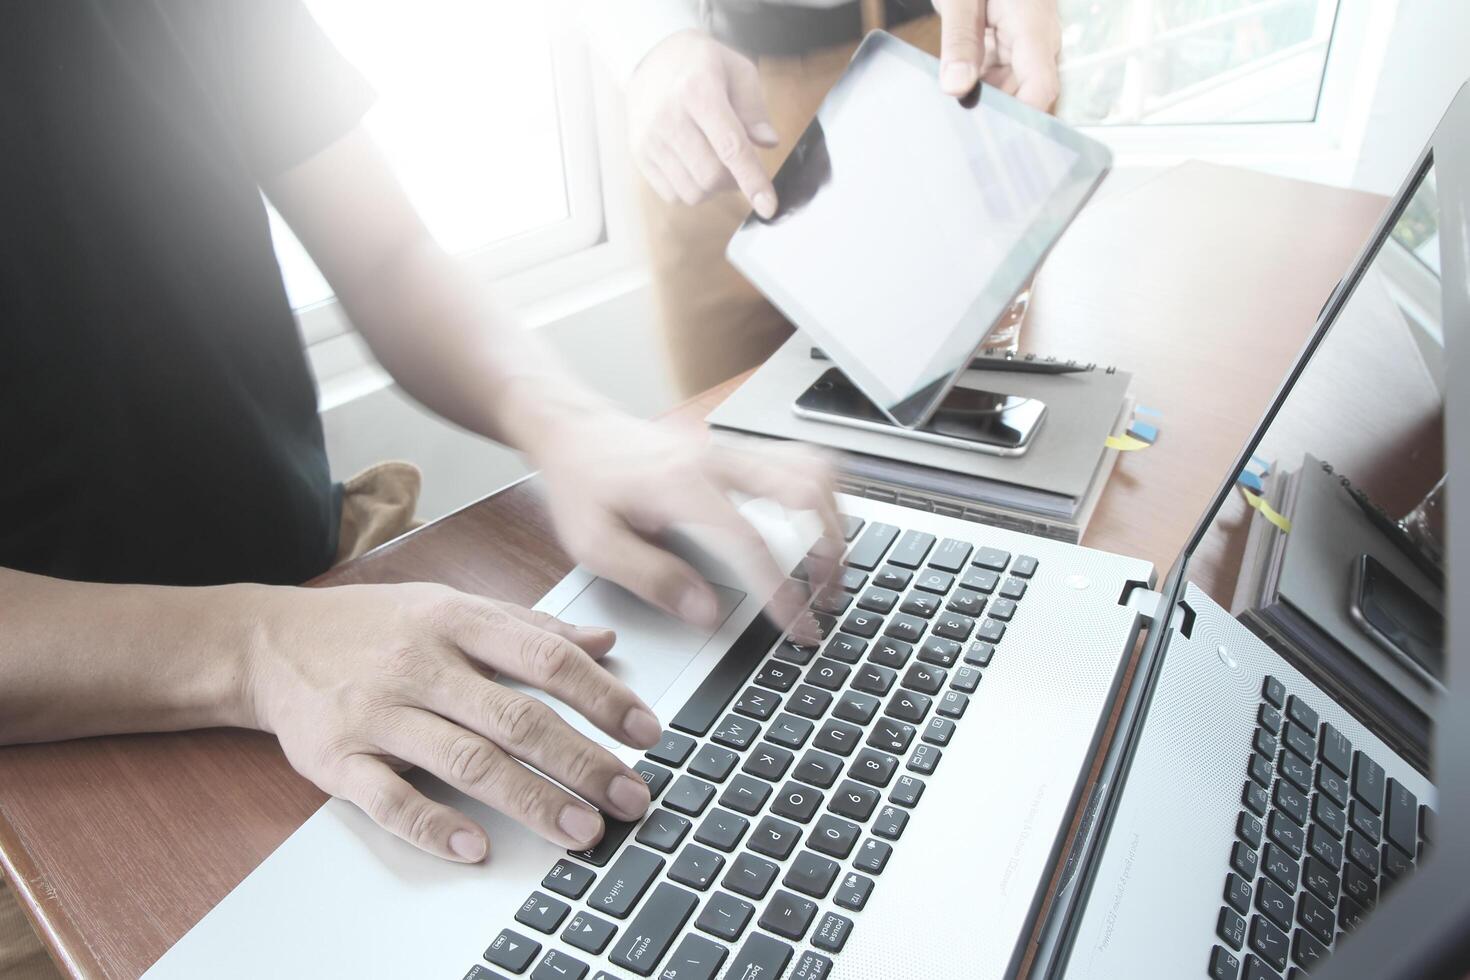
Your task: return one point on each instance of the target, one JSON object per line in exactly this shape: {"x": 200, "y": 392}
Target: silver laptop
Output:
{"x": 893, "y": 802}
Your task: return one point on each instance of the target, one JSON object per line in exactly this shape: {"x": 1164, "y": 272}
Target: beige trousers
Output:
{"x": 378, "y": 505}
{"x": 714, "y": 323}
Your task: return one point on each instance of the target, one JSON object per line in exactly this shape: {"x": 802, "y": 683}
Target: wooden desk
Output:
{"x": 1203, "y": 282}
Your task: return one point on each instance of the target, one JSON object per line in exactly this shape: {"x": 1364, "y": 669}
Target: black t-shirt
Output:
{"x": 158, "y": 420}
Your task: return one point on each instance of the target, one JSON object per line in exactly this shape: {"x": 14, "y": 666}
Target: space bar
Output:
{"x": 722, "y": 683}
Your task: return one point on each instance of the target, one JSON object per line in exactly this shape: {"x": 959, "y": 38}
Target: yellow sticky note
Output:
{"x": 1125, "y": 443}
{"x": 1267, "y": 511}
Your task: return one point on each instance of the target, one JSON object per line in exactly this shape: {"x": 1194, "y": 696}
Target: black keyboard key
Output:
{"x": 625, "y": 882}
{"x": 924, "y": 759}
{"x": 854, "y": 800}
{"x": 796, "y": 653}
{"x": 870, "y": 548}
{"x": 833, "y": 836}
{"x": 1301, "y": 713}
{"x": 1281, "y": 830}
{"x": 934, "y": 581}
{"x": 672, "y": 749}
{"x": 909, "y": 706}
{"x": 757, "y": 703}
{"x": 850, "y": 526}
{"x": 1396, "y": 864}
{"x": 1270, "y": 719}
{"x": 1327, "y": 850}
{"x": 512, "y": 951}
{"x": 872, "y": 856}
{"x": 906, "y": 791}
{"x": 696, "y": 958}
{"x": 696, "y": 867}
{"x": 991, "y": 631}
{"x": 1361, "y": 850}
{"x": 893, "y": 578}
{"x": 951, "y": 555}
{"x": 1294, "y": 769}
{"x": 809, "y": 702}
{"x": 1257, "y": 970}
{"x": 736, "y": 732}
{"x": 649, "y": 936}
{"x": 556, "y": 965}
{"x": 731, "y": 674}
{"x": 1013, "y": 589}
{"x": 1365, "y": 821}
{"x": 838, "y": 737}
{"x": 542, "y": 912}
{"x": 1336, "y": 750}
{"x": 890, "y": 822}
{"x": 818, "y": 769}
{"x": 1299, "y": 741}
{"x": 1292, "y": 801}
{"x": 1314, "y": 915}
{"x": 1274, "y": 691}
{"x": 912, "y": 549}
{"x": 1334, "y": 785}
{"x": 725, "y": 916}
{"x": 588, "y": 932}
{"x": 614, "y": 832}
{"x": 663, "y": 830}
{"x": 1257, "y": 799}
{"x": 750, "y": 876}
{"x": 924, "y": 679}
{"x": 1401, "y": 821}
{"x": 1249, "y": 829}
{"x": 832, "y": 932}
{"x": 848, "y": 649}
{"x": 993, "y": 559}
{"x": 1358, "y": 883}
{"x": 775, "y": 838}
{"x": 767, "y": 761}
{"x": 654, "y": 777}
{"x": 1260, "y": 769}
{"x": 856, "y": 707}
{"x": 1231, "y": 928}
{"x": 761, "y": 956}
{"x": 853, "y": 892}
{"x": 1329, "y": 815}
{"x": 833, "y": 601}
{"x": 1306, "y": 951}
{"x": 1238, "y": 893}
{"x": 1281, "y": 868}
{"x": 906, "y": 628}
{"x": 778, "y": 676}
{"x": 966, "y": 680}
{"x": 811, "y": 874}
{"x": 1244, "y": 860}
{"x": 745, "y": 794}
{"x": 862, "y": 623}
{"x": 952, "y": 704}
{"x": 873, "y": 767}
{"x": 980, "y": 653}
{"x": 1003, "y": 610}
{"x": 788, "y": 914}
{"x": 713, "y": 763}
{"x": 878, "y": 599}
{"x": 1350, "y": 914}
{"x": 1320, "y": 880}
{"x": 939, "y": 731}
{"x": 1269, "y": 942}
{"x": 980, "y": 580}
{"x": 1368, "y": 781}
{"x": 852, "y": 580}
{"x": 888, "y": 652}
{"x": 722, "y": 829}
{"x": 1274, "y": 903}
{"x": 873, "y": 679}
{"x": 953, "y": 626}
{"x": 689, "y": 795}
{"x": 966, "y": 603}
{"x": 889, "y": 735}
{"x": 920, "y": 604}
{"x": 1024, "y": 567}
{"x": 568, "y": 878}
{"x": 1224, "y": 965}
{"x": 828, "y": 674}
{"x": 796, "y": 801}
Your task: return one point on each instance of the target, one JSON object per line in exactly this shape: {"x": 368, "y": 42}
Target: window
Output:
{"x": 484, "y": 113}
{"x": 1129, "y": 62}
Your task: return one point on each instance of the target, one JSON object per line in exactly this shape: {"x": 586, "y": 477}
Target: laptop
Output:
{"x": 897, "y": 801}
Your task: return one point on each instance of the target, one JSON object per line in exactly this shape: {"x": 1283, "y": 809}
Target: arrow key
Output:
{"x": 568, "y": 878}
{"x": 542, "y": 912}
{"x": 512, "y": 951}
{"x": 588, "y": 932}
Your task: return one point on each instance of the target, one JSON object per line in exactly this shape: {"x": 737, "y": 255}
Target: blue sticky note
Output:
{"x": 1145, "y": 410}
{"x": 1142, "y": 430}
{"x": 1263, "y": 465}
{"x": 1250, "y": 481}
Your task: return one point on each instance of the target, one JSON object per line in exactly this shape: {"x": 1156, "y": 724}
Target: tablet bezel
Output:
{"x": 943, "y": 369}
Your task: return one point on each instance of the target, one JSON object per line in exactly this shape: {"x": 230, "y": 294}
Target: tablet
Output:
{"x": 908, "y": 221}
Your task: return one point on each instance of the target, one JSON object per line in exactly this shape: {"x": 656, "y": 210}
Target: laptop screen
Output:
{"x": 1332, "y": 545}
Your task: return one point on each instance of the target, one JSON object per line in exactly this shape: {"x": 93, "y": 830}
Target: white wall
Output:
{"x": 1428, "y": 59}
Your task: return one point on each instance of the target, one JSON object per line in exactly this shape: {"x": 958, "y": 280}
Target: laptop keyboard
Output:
{"x": 1322, "y": 832}
{"x": 785, "y": 781}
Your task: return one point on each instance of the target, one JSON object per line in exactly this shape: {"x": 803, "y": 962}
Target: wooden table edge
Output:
{"x": 63, "y": 939}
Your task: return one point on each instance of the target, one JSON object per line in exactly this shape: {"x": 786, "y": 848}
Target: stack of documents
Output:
{"x": 1051, "y": 491}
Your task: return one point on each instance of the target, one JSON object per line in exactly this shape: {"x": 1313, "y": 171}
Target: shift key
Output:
{"x": 649, "y": 936}
{"x": 625, "y": 882}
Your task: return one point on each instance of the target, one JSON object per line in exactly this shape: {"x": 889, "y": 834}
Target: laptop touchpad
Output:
{"x": 653, "y": 647}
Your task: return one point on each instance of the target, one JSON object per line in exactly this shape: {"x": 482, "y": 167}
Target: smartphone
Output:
{"x": 1398, "y": 619}
{"x": 983, "y": 421}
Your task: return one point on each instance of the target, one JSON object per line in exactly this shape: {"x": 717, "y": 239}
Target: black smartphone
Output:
{"x": 1398, "y": 618}
{"x": 983, "y": 421}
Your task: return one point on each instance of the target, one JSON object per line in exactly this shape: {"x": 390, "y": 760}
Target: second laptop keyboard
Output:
{"x": 792, "y": 768}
